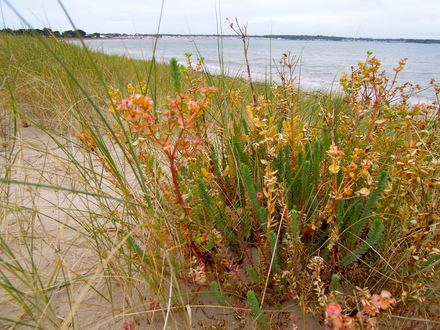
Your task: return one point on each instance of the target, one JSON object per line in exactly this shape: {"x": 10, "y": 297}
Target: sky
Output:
{"x": 347, "y": 18}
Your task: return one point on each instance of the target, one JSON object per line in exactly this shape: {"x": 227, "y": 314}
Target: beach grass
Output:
{"x": 138, "y": 194}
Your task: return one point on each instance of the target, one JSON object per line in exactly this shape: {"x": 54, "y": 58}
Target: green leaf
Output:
{"x": 218, "y": 295}
{"x": 334, "y": 284}
{"x": 294, "y": 226}
{"x": 260, "y": 212}
{"x": 274, "y": 249}
{"x": 256, "y": 310}
{"x": 207, "y": 200}
{"x": 175, "y": 73}
{"x": 373, "y": 237}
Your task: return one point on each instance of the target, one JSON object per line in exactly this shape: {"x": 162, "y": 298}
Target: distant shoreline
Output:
{"x": 47, "y": 32}
{"x": 281, "y": 37}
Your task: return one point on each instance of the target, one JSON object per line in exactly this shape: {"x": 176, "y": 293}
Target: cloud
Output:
{"x": 367, "y": 18}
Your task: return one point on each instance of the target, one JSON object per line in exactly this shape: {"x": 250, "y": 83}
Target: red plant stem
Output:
{"x": 173, "y": 170}
{"x": 246, "y": 252}
{"x": 393, "y": 82}
{"x": 232, "y": 266}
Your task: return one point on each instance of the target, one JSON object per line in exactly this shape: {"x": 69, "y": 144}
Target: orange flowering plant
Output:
{"x": 372, "y": 309}
{"x": 174, "y": 130}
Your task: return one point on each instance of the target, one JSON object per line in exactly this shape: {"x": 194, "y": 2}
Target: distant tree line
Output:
{"x": 46, "y": 32}
{"x": 333, "y": 38}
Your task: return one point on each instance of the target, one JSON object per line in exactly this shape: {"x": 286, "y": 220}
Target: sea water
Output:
{"x": 319, "y": 63}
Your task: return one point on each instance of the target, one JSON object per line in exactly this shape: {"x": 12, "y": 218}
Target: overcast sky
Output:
{"x": 348, "y": 18}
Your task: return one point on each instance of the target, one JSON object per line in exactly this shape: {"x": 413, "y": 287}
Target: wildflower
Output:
{"x": 368, "y": 308}
{"x": 153, "y": 304}
{"x": 350, "y": 170}
{"x": 377, "y": 301}
{"x": 348, "y": 322}
{"x": 355, "y": 154}
{"x": 209, "y": 90}
{"x": 258, "y": 122}
{"x": 207, "y": 174}
{"x": 352, "y": 167}
{"x": 198, "y": 274}
{"x": 173, "y": 103}
{"x": 366, "y": 163}
{"x": 348, "y": 191}
{"x": 128, "y": 325}
{"x": 363, "y": 192}
{"x": 334, "y": 152}
{"x": 383, "y": 301}
{"x": 334, "y": 310}
{"x": 334, "y": 313}
{"x": 334, "y": 168}
{"x": 193, "y": 105}
{"x": 143, "y": 101}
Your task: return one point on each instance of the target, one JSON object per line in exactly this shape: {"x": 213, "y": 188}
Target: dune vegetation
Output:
{"x": 141, "y": 195}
